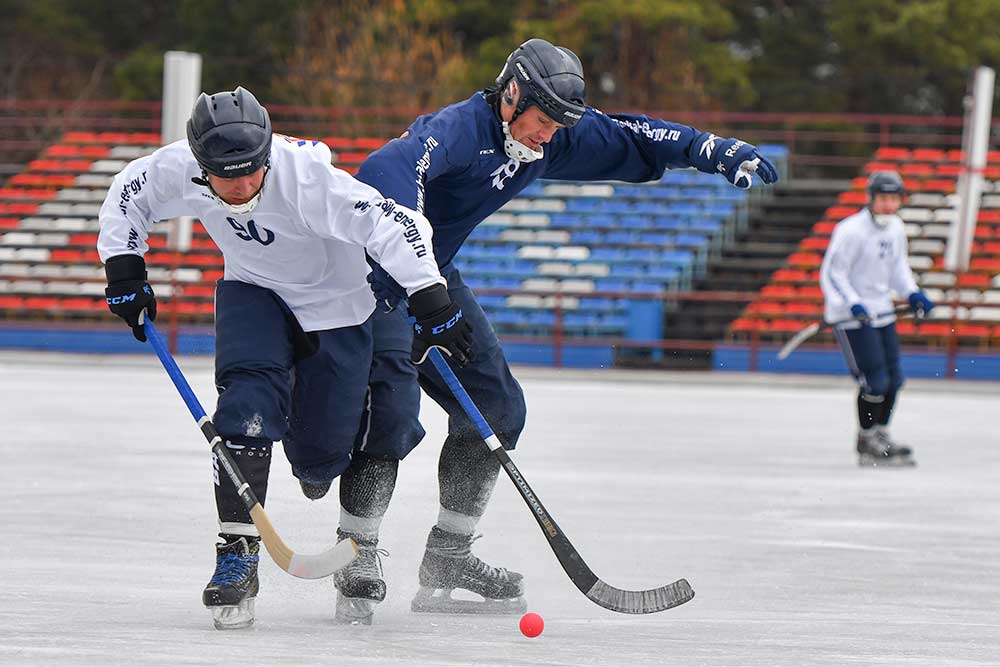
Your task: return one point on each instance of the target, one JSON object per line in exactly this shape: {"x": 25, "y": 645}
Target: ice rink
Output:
{"x": 745, "y": 485}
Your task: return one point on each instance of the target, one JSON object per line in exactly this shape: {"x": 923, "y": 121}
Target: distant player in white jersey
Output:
{"x": 866, "y": 261}
{"x": 293, "y": 331}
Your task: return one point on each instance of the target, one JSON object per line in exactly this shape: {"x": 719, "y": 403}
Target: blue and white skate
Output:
{"x": 231, "y": 593}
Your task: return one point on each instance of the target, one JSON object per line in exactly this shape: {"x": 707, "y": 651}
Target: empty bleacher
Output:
{"x": 550, "y": 258}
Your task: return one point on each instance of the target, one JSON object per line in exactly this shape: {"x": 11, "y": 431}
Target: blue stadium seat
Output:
{"x": 602, "y": 221}
{"x": 616, "y": 207}
{"x": 586, "y": 237}
{"x": 475, "y": 282}
{"x": 611, "y": 285}
{"x": 668, "y": 223}
{"x": 491, "y": 301}
{"x": 642, "y": 254}
{"x": 566, "y": 220}
{"x": 683, "y": 210}
{"x": 625, "y": 271}
{"x": 705, "y": 225}
{"x": 720, "y": 209}
{"x": 583, "y": 205}
{"x": 656, "y": 238}
{"x": 680, "y": 176}
{"x": 647, "y": 207}
{"x": 634, "y": 222}
{"x": 621, "y": 237}
{"x": 607, "y": 254}
{"x": 691, "y": 240}
{"x": 676, "y": 257}
{"x": 664, "y": 274}
{"x": 506, "y": 283}
{"x": 545, "y": 318}
{"x": 597, "y": 303}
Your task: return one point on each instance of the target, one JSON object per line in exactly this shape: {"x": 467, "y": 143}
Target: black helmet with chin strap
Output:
{"x": 229, "y": 133}
{"x": 548, "y": 77}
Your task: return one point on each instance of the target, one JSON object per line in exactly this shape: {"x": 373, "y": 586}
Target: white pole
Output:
{"x": 970, "y": 181}
{"x": 181, "y": 87}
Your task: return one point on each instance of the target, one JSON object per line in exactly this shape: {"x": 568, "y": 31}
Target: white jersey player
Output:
{"x": 293, "y": 332}
{"x": 865, "y": 263}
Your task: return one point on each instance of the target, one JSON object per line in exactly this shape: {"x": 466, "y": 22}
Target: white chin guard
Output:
{"x": 240, "y": 209}
{"x": 248, "y": 207}
{"x": 515, "y": 150}
{"x": 883, "y": 221}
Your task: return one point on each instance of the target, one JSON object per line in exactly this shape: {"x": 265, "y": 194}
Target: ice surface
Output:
{"x": 747, "y": 486}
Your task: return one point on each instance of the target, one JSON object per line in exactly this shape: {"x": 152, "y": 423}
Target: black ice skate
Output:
{"x": 231, "y": 593}
{"x": 359, "y": 585}
{"x": 876, "y": 449}
{"x": 449, "y": 564}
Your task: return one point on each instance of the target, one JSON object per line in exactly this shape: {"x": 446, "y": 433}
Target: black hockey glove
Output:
{"x": 128, "y": 292}
{"x": 439, "y": 323}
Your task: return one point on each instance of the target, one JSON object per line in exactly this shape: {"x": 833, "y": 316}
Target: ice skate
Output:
{"x": 876, "y": 449}
{"x": 231, "y": 593}
{"x": 359, "y": 585}
{"x": 448, "y": 564}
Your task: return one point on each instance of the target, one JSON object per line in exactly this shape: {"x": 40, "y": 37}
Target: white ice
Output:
{"x": 745, "y": 485}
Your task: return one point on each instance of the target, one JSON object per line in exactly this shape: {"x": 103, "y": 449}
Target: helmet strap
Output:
{"x": 515, "y": 150}
{"x": 238, "y": 209}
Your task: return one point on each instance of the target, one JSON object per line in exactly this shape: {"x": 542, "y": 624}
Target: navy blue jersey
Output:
{"x": 451, "y": 164}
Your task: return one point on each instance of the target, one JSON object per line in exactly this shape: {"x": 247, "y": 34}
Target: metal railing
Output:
{"x": 834, "y": 144}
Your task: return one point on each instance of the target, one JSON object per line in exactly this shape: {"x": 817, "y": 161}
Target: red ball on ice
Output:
{"x": 532, "y": 625}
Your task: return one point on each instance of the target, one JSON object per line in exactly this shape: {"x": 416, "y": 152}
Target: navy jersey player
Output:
{"x": 459, "y": 165}
{"x": 292, "y": 312}
{"x": 865, "y": 263}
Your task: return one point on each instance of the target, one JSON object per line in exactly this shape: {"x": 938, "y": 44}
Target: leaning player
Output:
{"x": 458, "y": 166}
{"x": 865, "y": 262}
{"x": 293, "y": 311}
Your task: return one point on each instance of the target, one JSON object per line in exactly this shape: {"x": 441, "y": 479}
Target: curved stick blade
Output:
{"x": 641, "y": 602}
{"x": 302, "y": 566}
{"x": 798, "y": 339}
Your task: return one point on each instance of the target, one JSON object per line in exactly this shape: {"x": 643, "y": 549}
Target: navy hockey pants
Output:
{"x": 487, "y": 377}
{"x": 872, "y": 355}
{"x": 277, "y": 383}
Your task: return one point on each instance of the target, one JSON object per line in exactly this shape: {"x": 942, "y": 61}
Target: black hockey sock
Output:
{"x": 887, "y": 405}
{"x": 254, "y": 461}
{"x": 467, "y": 473}
{"x": 869, "y": 409}
{"x": 366, "y": 486}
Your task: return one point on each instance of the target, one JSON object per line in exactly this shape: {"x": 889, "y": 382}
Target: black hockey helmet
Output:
{"x": 549, "y": 77}
{"x": 229, "y": 133}
{"x": 885, "y": 182}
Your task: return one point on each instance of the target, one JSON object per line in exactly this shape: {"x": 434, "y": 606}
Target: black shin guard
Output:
{"x": 869, "y": 409}
{"x": 254, "y": 461}
{"x": 366, "y": 486}
{"x": 467, "y": 473}
{"x": 887, "y": 405}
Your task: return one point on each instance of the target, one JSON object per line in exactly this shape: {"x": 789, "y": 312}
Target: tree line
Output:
{"x": 871, "y": 56}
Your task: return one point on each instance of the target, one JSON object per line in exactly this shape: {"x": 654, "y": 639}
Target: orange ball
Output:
{"x": 532, "y": 624}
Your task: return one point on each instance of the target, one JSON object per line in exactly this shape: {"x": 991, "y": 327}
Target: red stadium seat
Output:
{"x": 807, "y": 259}
{"x": 894, "y": 154}
{"x": 814, "y": 243}
{"x": 852, "y": 197}
{"x": 928, "y": 155}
